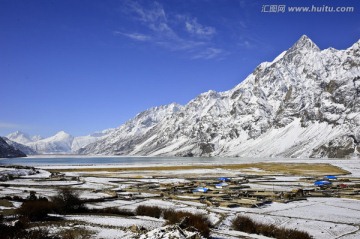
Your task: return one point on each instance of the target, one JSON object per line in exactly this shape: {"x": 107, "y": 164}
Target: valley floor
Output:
{"x": 280, "y": 192}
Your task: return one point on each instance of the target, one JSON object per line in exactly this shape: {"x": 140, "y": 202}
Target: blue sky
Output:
{"x": 84, "y": 66}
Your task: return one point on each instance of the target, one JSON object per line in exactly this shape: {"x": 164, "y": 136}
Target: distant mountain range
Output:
{"x": 60, "y": 143}
{"x": 305, "y": 103}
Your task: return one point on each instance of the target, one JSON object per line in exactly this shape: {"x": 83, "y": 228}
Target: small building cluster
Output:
{"x": 241, "y": 191}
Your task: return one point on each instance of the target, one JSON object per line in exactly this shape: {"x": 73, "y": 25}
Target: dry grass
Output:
{"x": 151, "y": 211}
{"x": 76, "y": 233}
{"x": 188, "y": 220}
{"x": 8, "y": 212}
{"x": 6, "y": 203}
{"x": 310, "y": 169}
{"x": 246, "y": 224}
{"x": 307, "y": 169}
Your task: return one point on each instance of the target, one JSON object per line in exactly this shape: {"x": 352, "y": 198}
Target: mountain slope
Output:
{"x": 131, "y": 133}
{"x": 303, "y": 104}
{"x": 19, "y": 137}
{"x": 7, "y": 151}
{"x": 81, "y": 141}
{"x": 23, "y": 148}
{"x": 59, "y": 143}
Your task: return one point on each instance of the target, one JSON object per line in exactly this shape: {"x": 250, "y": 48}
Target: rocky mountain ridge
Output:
{"x": 305, "y": 103}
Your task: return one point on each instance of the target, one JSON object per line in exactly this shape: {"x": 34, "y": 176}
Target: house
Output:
{"x": 224, "y": 179}
{"x": 330, "y": 177}
{"x": 200, "y": 190}
{"x": 322, "y": 183}
{"x": 221, "y": 185}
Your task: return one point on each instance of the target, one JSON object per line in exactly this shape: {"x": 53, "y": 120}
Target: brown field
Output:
{"x": 305, "y": 169}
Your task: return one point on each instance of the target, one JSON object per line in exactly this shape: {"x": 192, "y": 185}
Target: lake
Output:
{"x": 138, "y": 161}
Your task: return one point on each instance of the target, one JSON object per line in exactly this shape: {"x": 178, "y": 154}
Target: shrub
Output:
{"x": 77, "y": 233}
{"x": 283, "y": 233}
{"x": 68, "y": 201}
{"x": 151, "y": 211}
{"x": 17, "y": 198}
{"x": 32, "y": 196}
{"x": 187, "y": 220}
{"x": 268, "y": 230}
{"x": 21, "y": 230}
{"x": 112, "y": 210}
{"x": 245, "y": 224}
{"x": 35, "y": 210}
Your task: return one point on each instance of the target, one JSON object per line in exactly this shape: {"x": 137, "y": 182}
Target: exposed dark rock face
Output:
{"x": 7, "y": 151}
{"x": 23, "y": 148}
{"x": 337, "y": 148}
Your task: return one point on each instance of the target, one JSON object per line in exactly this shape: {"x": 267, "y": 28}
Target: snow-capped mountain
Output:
{"x": 132, "y": 131}
{"x": 60, "y": 143}
{"x": 19, "y": 137}
{"x": 305, "y": 103}
{"x": 81, "y": 141}
{"x": 8, "y": 151}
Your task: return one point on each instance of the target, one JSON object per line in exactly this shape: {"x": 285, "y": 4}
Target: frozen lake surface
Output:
{"x": 138, "y": 161}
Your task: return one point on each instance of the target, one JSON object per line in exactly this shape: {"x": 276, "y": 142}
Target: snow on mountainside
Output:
{"x": 19, "y": 137}
{"x": 133, "y": 130}
{"x": 23, "y": 148}
{"x": 303, "y": 104}
{"x": 60, "y": 143}
{"x": 82, "y": 141}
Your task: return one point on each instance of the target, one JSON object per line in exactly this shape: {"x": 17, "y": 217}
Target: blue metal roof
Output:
{"x": 330, "y": 177}
{"x": 321, "y": 183}
{"x": 224, "y": 179}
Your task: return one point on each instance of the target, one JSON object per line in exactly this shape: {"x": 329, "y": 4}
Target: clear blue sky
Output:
{"x": 88, "y": 65}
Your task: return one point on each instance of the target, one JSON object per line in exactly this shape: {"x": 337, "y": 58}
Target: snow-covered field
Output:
{"x": 322, "y": 217}
{"x": 124, "y": 222}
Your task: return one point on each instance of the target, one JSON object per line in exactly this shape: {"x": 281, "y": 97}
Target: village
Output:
{"x": 219, "y": 192}
{"x": 240, "y": 190}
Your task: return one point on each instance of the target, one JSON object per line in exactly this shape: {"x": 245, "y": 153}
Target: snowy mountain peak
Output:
{"x": 174, "y": 107}
{"x": 158, "y": 112}
{"x": 211, "y": 94}
{"x": 62, "y": 134}
{"x": 19, "y": 137}
{"x": 59, "y": 143}
{"x": 304, "y": 43}
{"x": 356, "y": 47}
{"x": 18, "y": 132}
